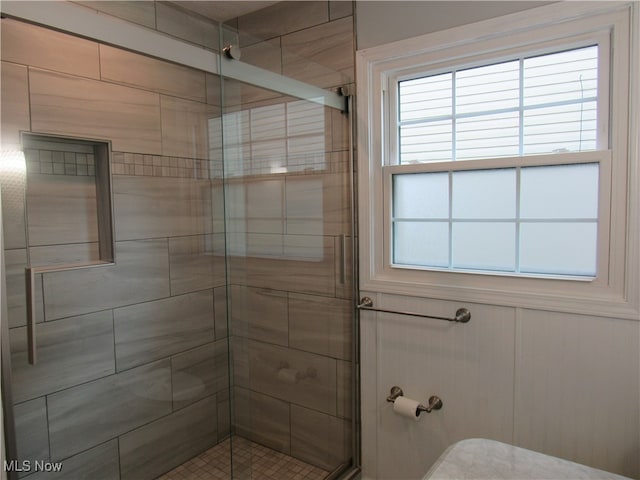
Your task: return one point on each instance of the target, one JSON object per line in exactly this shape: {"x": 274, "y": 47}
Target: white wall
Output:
{"x": 380, "y": 22}
{"x": 563, "y": 384}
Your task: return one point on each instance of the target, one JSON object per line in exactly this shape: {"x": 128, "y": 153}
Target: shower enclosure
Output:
{"x": 178, "y": 253}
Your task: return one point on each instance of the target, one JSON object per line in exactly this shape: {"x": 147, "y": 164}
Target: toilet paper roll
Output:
{"x": 406, "y": 407}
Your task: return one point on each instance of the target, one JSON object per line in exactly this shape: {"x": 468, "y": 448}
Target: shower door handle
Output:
{"x": 30, "y": 275}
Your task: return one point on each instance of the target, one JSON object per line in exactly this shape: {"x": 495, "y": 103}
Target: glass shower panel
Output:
{"x": 132, "y": 375}
{"x": 289, "y": 243}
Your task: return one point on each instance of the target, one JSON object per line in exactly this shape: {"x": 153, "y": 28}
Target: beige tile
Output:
{"x": 196, "y": 263}
{"x": 69, "y": 352}
{"x": 217, "y": 196}
{"x": 264, "y": 206}
{"x": 318, "y": 204}
{"x": 153, "y": 330}
{"x": 138, "y": 11}
{"x": 578, "y": 360}
{"x": 15, "y": 263}
{"x": 15, "y": 281}
{"x": 180, "y": 23}
{"x": 262, "y": 419}
{"x": 141, "y": 273}
{"x": 259, "y": 314}
{"x": 299, "y": 377}
{"x": 263, "y": 245}
{"x": 345, "y": 389}
{"x": 307, "y": 267}
{"x": 320, "y": 439}
{"x": 15, "y": 101}
{"x": 341, "y": 163}
{"x": 306, "y": 247}
{"x": 185, "y": 127}
{"x": 64, "y": 254}
{"x": 199, "y": 373}
{"x": 224, "y": 414}
{"x": 148, "y": 73}
{"x": 340, "y": 8}
{"x": 15, "y": 118}
{"x": 308, "y": 135}
{"x": 161, "y": 445}
{"x": 239, "y": 93}
{"x": 147, "y": 207}
{"x": 12, "y": 188}
{"x": 39, "y": 47}
{"x": 236, "y": 207}
{"x": 321, "y": 55}
{"x": 251, "y": 460}
{"x": 220, "y": 310}
{"x": 98, "y": 463}
{"x": 237, "y": 132}
{"x": 212, "y": 83}
{"x": 280, "y": 19}
{"x": 66, "y": 105}
{"x": 230, "y": 35}
{"x": 320, "y": 325}
{"x": 340, "y": 126}
{"x": 91, "y": 413}
{"x": 31, "y": 430}
{"x": 344, "y": 267}
{"x": 61, "y": 209}
{"x": 266, "y": 55}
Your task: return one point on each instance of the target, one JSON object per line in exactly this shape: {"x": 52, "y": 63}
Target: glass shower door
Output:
{"x": 288, "y": 194}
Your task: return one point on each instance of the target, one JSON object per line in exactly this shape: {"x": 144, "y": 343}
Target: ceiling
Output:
{"x": 222, "y": 11}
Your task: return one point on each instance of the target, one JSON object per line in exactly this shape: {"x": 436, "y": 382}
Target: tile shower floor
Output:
{"x": 251, "y": 461}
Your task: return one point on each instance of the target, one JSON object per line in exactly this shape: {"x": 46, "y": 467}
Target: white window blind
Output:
{"x": 529, "y": 105}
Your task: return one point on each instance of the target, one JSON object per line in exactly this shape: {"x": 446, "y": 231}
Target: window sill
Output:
{"x": 599, "y": 301}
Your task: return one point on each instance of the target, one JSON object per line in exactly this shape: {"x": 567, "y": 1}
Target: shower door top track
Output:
{"x": 83, "y": 22}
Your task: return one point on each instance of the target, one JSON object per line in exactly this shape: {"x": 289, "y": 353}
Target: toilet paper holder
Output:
{"x": 435, "y": 403}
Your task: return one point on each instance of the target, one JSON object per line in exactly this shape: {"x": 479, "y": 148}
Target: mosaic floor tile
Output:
{"x": 251, "y": 461}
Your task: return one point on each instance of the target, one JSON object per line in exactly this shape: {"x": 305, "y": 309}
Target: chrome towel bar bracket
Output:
{"x": 463, "y": 315}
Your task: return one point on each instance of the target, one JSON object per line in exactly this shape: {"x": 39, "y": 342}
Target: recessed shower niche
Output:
{"x": 61, "y": 207}
{"x": 68, "y": 212}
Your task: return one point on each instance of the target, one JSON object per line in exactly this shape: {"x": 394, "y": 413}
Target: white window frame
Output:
{"x": 615, "y": 290}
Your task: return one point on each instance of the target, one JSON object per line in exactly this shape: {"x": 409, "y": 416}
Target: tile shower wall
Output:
{"x": 132, "y": 377}
{"x": 289, "y": 231}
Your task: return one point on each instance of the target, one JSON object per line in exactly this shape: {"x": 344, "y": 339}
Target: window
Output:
{"x": 529, "y": 105}
{"x": 530, "y": 220}
{"x": 520, "y": 220}
{"x": 497, "y": 159}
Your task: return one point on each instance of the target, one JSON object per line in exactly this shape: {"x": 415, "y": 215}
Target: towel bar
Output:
{"x": 463, "y": 315}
